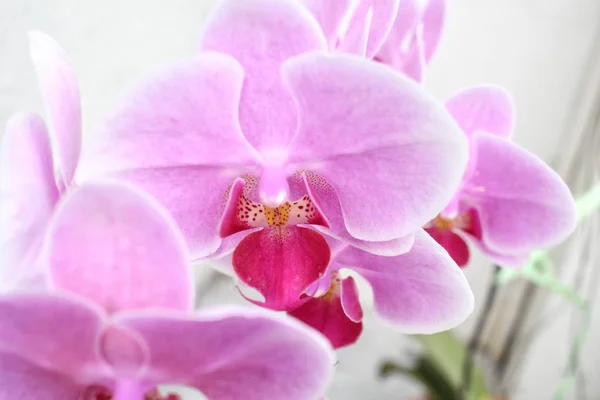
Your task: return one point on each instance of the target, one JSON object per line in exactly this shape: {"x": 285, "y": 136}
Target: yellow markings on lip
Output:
{"x": 278, "y": 216}
{"x": 443, "y": 223}
{"x": 334, "y": 288}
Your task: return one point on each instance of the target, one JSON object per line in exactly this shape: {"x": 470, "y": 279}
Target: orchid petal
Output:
{"x": 422, "y": 291}
{"x": 522, "y": 203}
{"x": 455, "y": 245}
{"x": 114, "y": 244}
{"x": 261, "y": 34}
{"x": 28, "y": 194}
{"x": 178, "y": 138}
{"x": 236, "y": 354}
{"x": 50, "y": 331}
{"x": 398, "y": 41}
{"x": 331, "y": 16}
{"x": 60, "y": 91}
{"x": 503, "y": 260}
{"x": 327, "y": 315}
{"x": 23, "y": 380}
{"x": 350, "y": 300}
{"x": 194, "y": 196}
{"x": 327, "y": 201}
{"x": 434, "y": 15}
{"x": 281, "y": 263}
{"x": 483, "y": 108}
{"x": 378, "y": 25}
{"x": 388, "y": 145}
{"x": 186, "y": 115}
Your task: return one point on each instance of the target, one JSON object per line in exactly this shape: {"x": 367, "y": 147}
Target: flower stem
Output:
{"x": 473, "y": 347}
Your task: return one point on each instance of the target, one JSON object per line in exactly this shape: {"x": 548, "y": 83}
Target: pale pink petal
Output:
{"x": 261, "y": 35}
{"x": 350, "y": 300}
{"x": 114, "y": 244}
{"x": 327, "y": 315}
{"x": 399, "y": 42}
{"x": 433, "y": 18}
{"x": 422, "y": 291}
{"x": 455, "y": 245}
{"x": 379, "y": 25}
{"x": 185, "y": 115}
{"x": 123, "y": 350}
{"x": 51, "y": 331}
{"x": 28, "y": 194}
{"x": 194, "y": 196}
{"x": 281, "y": 263}
{"x": 483, "y": 108}
{"x": 388, "y": 145}
{"x": 327, "y": 201}
{"x": 24, "y": 380}
{"x": 503, "y": 260}
{"x": 236, "y": 354}
{"x": 331, "y": 16}
{"x": 60, "y": 91}
{"x": 356, "y": 39}
{"x": 522, "y": 203}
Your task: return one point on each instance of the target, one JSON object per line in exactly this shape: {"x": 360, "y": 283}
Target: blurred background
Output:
{"x": 545, "y": 52}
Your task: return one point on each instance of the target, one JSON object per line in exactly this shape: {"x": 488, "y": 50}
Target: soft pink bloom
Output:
{"x": 118, "y": 320}
{"x": 400, "y": 33}
{"x": 510, "y": 202}
{"x": 265, "y": 141}
{"x": 422, "y": 291}
{"x": 29, "y": 185}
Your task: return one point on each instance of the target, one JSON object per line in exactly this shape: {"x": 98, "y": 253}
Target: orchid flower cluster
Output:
{"x": 297, "y": 144}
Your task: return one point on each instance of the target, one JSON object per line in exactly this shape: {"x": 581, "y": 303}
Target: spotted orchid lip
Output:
{"x": 242, "y": 213}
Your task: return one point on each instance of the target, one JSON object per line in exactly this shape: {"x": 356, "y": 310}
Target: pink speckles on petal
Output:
{"x": 242, "y": 213}
{"x": 281, "y": 263}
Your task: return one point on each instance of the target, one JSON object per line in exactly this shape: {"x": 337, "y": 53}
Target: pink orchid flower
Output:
{"x": 265, "y": 141}
{"x": 510, "y": 202}
{"x": 402, "y": 34}
{"x": 29, "y": 188}
{"x": 118, "y": 320}
{"x": 422, "y": 291}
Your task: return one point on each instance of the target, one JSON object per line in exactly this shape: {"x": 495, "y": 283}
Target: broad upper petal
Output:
{"x": 184, "y": 115}
{"x": 261, "y": 35}
{"x": 378, "y": 139}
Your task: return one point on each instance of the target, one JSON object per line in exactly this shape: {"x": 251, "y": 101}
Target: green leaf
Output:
{"x": 447, "y": 352}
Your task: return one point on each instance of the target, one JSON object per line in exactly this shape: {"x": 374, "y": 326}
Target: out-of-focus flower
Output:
{"x": 402, "y": 34}
{"x": 117, "y": 321}
{"x": 422, "y": 291}
{"x": 29, "y": 187}
{"x": 266, "y": 142}
{"x": 510, "y": 202}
